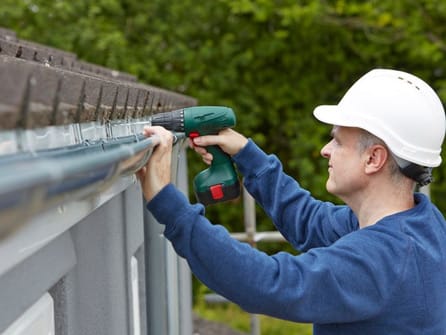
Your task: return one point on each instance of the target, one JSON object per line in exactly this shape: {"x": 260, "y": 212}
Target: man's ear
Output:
{"x": 377, "y": 156}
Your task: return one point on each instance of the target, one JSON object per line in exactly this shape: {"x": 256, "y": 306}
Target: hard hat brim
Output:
{"x": 331, "y": 114}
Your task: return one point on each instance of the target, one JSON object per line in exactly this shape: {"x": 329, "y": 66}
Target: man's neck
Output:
{"x": 372, "y": 206}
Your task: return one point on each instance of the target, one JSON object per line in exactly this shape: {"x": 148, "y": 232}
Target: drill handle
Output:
{"x": 218, "y": 155}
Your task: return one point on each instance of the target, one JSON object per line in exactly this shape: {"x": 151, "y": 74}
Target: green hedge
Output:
{"x": 272, "y": 61}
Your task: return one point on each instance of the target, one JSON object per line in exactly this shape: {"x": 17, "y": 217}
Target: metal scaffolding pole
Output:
{"x": 250, "y": 229}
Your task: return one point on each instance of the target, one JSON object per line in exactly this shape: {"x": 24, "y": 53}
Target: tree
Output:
{"x": 272, "y": 61}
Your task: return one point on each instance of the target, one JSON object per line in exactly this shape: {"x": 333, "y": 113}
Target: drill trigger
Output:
{"x": 192, "y": 135}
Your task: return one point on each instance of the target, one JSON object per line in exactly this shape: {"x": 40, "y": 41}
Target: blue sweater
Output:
{"x": 388, "y": 278}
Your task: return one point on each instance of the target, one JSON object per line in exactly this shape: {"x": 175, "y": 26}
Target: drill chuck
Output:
{"x": 173, "y": 121}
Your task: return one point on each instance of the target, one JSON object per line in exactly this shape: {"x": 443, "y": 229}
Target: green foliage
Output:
{"x": 236, "y": 318}
{"x": 272, "y": 61}
{"x": 239, "y": 320}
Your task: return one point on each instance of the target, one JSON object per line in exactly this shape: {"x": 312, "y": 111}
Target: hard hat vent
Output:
{"x": 409, "y": 82}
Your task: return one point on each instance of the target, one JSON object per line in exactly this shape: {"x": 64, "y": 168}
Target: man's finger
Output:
{"x": 204, "y": 141}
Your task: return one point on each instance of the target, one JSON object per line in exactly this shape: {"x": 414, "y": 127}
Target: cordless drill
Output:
{"x": 219, "y": 182}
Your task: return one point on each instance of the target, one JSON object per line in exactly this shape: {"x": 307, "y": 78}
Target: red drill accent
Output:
{"x": 193, "y": 135}
{"x": 216, "y": 191}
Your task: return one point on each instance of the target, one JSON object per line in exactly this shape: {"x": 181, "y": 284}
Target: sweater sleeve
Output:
{"x": 304, "y": 221}
{"x": 325, "y": 285}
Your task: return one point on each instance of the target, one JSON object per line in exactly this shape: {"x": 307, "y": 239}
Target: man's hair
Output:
{"x": 366, "y": 140}
{"x": 398, "y": 167}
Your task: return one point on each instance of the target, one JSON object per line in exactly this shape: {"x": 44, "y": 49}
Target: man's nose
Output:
{"x": 325, "y": 151}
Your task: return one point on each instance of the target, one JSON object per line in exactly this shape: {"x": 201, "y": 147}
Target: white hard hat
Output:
{"x": 397, "y": 107}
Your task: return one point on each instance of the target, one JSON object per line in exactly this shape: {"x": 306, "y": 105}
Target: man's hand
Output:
{"x": 157, "y": 172}
{"x": 228, "y": 140}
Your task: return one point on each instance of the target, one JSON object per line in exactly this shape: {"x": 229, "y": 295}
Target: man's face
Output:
{"x": 345, "y": 162}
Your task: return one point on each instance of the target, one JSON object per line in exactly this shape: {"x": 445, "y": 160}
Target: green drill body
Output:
{"x": 219, "y": 182}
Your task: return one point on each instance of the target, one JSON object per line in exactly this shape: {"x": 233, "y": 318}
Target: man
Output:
{"x": 374, "y": 266}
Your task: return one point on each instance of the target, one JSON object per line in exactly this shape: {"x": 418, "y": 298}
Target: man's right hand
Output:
{"x": 228, "y": 140}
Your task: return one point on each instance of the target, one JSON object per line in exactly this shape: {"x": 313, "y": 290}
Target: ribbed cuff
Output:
{"x": 167, "y": 201}
{"x": 251, "y": 160}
